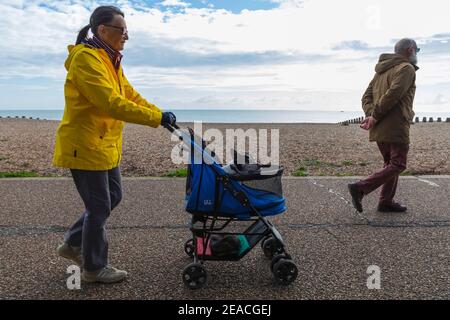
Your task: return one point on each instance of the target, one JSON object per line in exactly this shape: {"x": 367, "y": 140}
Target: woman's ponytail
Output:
{"x": 83, "y": 34}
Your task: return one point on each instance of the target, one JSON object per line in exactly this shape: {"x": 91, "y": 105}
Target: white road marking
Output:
{"x": 340, "y": 196}
{"x": 428, "y": 182}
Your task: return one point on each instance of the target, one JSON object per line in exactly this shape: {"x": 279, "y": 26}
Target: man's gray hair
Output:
{"x": 404, "y": 44}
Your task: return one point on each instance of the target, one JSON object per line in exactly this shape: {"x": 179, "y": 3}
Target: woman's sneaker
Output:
{"x": 105, "y": 275}
{"x": 71, "y": 253}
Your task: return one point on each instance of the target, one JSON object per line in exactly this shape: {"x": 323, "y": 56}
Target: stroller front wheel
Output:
{"x": 277, "y": 258}
{"x": 194, "y": 276}
{"x": 264, "y": 240}
{"x": 285, "y": 272}
{"x": 271, "y": 247}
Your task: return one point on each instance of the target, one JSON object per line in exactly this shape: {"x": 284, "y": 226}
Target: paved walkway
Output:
{"x": 332, "y": 245}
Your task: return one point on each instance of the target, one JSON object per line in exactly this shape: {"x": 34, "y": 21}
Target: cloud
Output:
{"x": 352, "y": 45}
{"x": 311, "y": 53}
{"x": 441, "y": 99}
{"x": 174, "y": 3}
{"x": 436, "y": 44}
{"x": 287, "y": 4}
{"x": 166, "y": 56}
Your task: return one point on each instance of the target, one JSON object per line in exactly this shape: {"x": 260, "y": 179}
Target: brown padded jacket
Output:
{"x": 389, "y": 99}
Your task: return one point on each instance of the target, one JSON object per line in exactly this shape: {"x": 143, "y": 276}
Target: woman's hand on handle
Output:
{"x": 168, "y": 119}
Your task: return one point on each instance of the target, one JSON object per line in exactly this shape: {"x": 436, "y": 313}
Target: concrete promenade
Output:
{"x": 332, "y": 244}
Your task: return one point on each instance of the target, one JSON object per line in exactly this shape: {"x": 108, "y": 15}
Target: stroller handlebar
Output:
{"x": 171, "y": 128}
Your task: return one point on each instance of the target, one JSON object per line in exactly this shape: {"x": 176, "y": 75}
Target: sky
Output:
{"x": 225, "y": 54}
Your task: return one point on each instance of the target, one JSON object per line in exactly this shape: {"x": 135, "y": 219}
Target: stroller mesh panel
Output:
{"x": 272, "y": 184}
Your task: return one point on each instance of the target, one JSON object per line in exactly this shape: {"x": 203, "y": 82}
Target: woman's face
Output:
{"x": 115, "y": 33}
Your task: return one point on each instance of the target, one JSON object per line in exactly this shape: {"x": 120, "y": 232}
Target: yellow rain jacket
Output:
{"x": 99, "y": 100}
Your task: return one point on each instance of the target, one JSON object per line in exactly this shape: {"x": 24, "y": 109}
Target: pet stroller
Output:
{"x": 220, "y": 196}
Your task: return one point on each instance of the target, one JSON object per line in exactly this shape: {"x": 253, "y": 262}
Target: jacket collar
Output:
{"x": 114, "y": 56}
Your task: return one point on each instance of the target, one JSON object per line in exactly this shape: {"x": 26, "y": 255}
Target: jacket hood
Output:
{"x": 72, "y": 52}
{"x": 388, "y": 61}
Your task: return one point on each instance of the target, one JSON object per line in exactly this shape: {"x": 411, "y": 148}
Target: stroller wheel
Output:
{"x": 277, "y": 258}
{"x": 264, "y": 241}
{"x": 189, "y": 247}
{"x": 271, "y": 247}
{"x": 285, "y": 272}
{"x": 194, "y": 276}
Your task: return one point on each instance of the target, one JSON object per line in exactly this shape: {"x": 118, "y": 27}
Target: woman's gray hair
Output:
{"x": 404, "y": 44}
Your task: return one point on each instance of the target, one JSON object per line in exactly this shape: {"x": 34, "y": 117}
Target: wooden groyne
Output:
{"x": 359, "y": 120}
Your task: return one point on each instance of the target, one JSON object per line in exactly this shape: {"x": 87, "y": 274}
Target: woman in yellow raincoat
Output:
{"x": 99, "y": 99}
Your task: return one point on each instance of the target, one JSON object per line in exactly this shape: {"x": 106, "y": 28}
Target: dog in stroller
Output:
{"x": 219, "y": 196}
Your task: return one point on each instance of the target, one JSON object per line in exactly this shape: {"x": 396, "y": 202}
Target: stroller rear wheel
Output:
{"x": 271, "y": 247}
{"x": 285, "y": 272}
{"x": 194, "y": 276}
{"x": 189, "y": 247}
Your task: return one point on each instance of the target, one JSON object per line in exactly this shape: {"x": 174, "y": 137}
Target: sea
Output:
{"x": 235, "y": 116}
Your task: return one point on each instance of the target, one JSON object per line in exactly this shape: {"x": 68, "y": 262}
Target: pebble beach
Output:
{"x": 305, "y": 149}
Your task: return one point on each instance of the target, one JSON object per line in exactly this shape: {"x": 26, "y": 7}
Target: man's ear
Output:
{"x": 410, "y": 51}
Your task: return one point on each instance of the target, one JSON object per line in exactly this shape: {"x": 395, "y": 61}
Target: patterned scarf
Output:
{"x": 114, "y": 56}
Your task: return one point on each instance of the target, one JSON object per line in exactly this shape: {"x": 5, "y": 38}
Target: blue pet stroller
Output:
{"x": 218, "y": 196}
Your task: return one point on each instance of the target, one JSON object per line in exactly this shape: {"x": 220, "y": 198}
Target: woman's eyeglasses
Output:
{"x": 123, "y": 30}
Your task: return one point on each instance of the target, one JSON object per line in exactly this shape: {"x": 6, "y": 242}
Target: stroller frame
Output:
{"x": 261, "y": 230}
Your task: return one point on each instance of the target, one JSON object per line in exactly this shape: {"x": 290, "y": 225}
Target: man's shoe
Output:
{"x": 71, "y": 253}
{"x": 105, "y": 275}
{"x": 357, "y": 196}
{"x": 393, "y": 207}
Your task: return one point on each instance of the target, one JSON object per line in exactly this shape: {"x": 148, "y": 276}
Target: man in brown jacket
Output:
{"x": 388, "y": 105}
